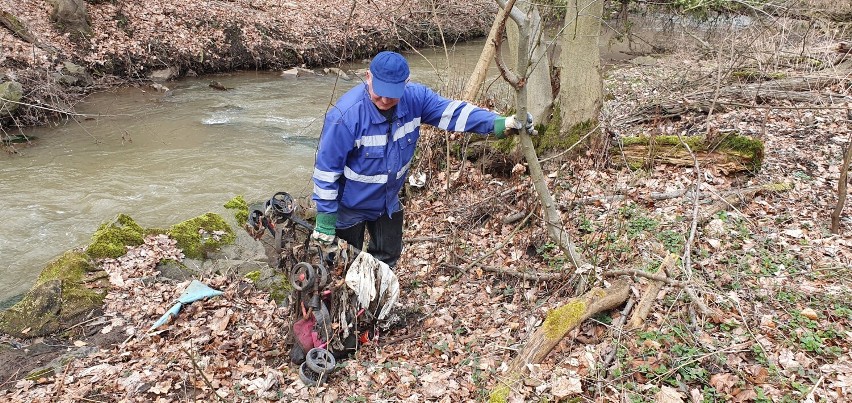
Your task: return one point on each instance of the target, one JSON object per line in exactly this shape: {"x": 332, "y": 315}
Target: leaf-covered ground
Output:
{"x": 776, "y": 281}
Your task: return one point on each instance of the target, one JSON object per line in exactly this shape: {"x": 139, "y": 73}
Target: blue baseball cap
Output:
{"x": 390, "y": 73}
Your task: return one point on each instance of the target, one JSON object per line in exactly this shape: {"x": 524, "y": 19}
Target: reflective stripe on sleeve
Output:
{"x": 447, "y": 115}
{"x": 324, "y": 194}
{"x": 461, "y": 123}
{"x": 402, "y": 171}
{"x": 325, "y": 176}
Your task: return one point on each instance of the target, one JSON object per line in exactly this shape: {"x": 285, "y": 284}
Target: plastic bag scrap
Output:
{"x": 194, "y": 292}
{"x": 362, "y": 277}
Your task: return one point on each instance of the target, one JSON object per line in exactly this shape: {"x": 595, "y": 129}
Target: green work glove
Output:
{"x": 504, "y": 125}
{"x": 324, "y": 232}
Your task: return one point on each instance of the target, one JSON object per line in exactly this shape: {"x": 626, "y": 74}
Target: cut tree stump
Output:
{"x": 728, "y": 154}
{"x": 558, "y": 323}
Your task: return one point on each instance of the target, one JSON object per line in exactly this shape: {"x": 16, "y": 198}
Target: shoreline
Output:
{"x": 163, "y": 40}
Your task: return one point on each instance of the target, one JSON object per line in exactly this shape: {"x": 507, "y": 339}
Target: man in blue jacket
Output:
{"x": 367, "y": 143}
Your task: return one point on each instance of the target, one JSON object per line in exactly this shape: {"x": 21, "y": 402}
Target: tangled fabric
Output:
{"x": 363, "y": 275}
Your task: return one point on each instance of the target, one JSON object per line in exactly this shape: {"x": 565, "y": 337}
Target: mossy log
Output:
{"x": 730, "y": 154}
{"x": 558, "y": 323}
{"x": 18, "y": 27}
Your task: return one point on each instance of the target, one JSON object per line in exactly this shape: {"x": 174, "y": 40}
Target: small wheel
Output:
{"x": 310, "y": 377}
{"x": 322, "y": 272}
{"x": 282, "y": 204}
{"x": 320, "y": 360}
{"x": 302, "y": 276}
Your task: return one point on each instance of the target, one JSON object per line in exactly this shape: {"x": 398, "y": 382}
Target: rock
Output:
{"x": 112, "y": 238}
{"x": 80, "y": 73}
{"x": 164, "y": 74}
{"x": 63, "y": 79}
{"x": 297, "y": 72}
{"x": 173, "y": 270}
{"x": 202, "y": 235}
{"x": 70, "y": 16}
{"x": 66, "y": 292}
{"x": 644, "y": 61}
{"x": 10, "y": 91}
{"x": 340, "y": 73}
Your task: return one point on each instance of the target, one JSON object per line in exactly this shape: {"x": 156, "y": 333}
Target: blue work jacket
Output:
{"x": 362, "y": 160}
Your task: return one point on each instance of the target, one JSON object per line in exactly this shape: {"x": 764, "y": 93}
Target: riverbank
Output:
{"x": 132, "y": 41}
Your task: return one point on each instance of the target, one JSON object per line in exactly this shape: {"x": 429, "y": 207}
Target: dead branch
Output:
{"x": 841, "y": 188}
{"x": 203, "y": 376}
{"x": 18, "y": 27}
{"x": 650, "y": 295}
{"x": 558, "y": 323}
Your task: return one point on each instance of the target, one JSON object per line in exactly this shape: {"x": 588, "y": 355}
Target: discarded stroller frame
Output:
{"x": 317, "y": 300}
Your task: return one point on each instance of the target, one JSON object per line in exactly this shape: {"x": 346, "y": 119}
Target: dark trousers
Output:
{"x": 385, "y": 237}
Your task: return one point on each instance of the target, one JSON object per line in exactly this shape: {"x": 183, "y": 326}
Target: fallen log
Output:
{"x": 558, "y": 323}
{"x": 18, "y": 27}
{"x": 728, "y": 154}
{"x": 739, "y": 198}
{"x": 800, "y": 89}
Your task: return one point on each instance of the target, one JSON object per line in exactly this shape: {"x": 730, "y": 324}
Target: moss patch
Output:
{"x": 60, "y": 297}
{"x": 253, "y": 276}
{"x": 561, "y": 319}
{"x": 499, "y": 394}
{"x": 279, "y": 290}
{"x": 112, "y": 239}
{"x": 240, "y": 207}
{"x": 201, "y": 235}
{"x": 555, "y": 137}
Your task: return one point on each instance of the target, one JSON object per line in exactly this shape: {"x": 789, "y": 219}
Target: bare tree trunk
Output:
{"x": 517, "y": 80}
{"x": 581, "y": 84}
{"x": 558, "y": 323}
{"x": 477, "y": 77}
{"x": 539, "y": 89}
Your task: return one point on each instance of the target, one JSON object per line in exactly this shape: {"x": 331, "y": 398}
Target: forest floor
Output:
{"x": 775, "y": 280}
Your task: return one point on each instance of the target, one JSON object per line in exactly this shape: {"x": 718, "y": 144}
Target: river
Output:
{"x": 162, "y": 158}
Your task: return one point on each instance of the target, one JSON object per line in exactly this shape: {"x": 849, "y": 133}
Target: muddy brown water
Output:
{"x": 163, "y": 158}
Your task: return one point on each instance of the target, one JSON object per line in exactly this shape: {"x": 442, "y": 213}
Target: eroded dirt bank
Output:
{"x": 129, "y": 40}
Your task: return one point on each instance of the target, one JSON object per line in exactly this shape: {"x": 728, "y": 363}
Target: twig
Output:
{"x": 61, "y": 380}
{"x": 687, "y": 249}
{"x": 618, "y": 328}
{"x": 650, "y": 276}
{"x": 520, "y": 274}
{"x": 647, "y": 301}
{"x": 204, "y": 377}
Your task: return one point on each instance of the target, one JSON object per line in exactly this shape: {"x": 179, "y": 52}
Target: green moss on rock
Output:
{"x": 112, "y": 239}
{"x": 240, "y": 207}
{"x": 59, "y": 298}
{"x": 253, "y": 276}
{"x": 203, "y": 234}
